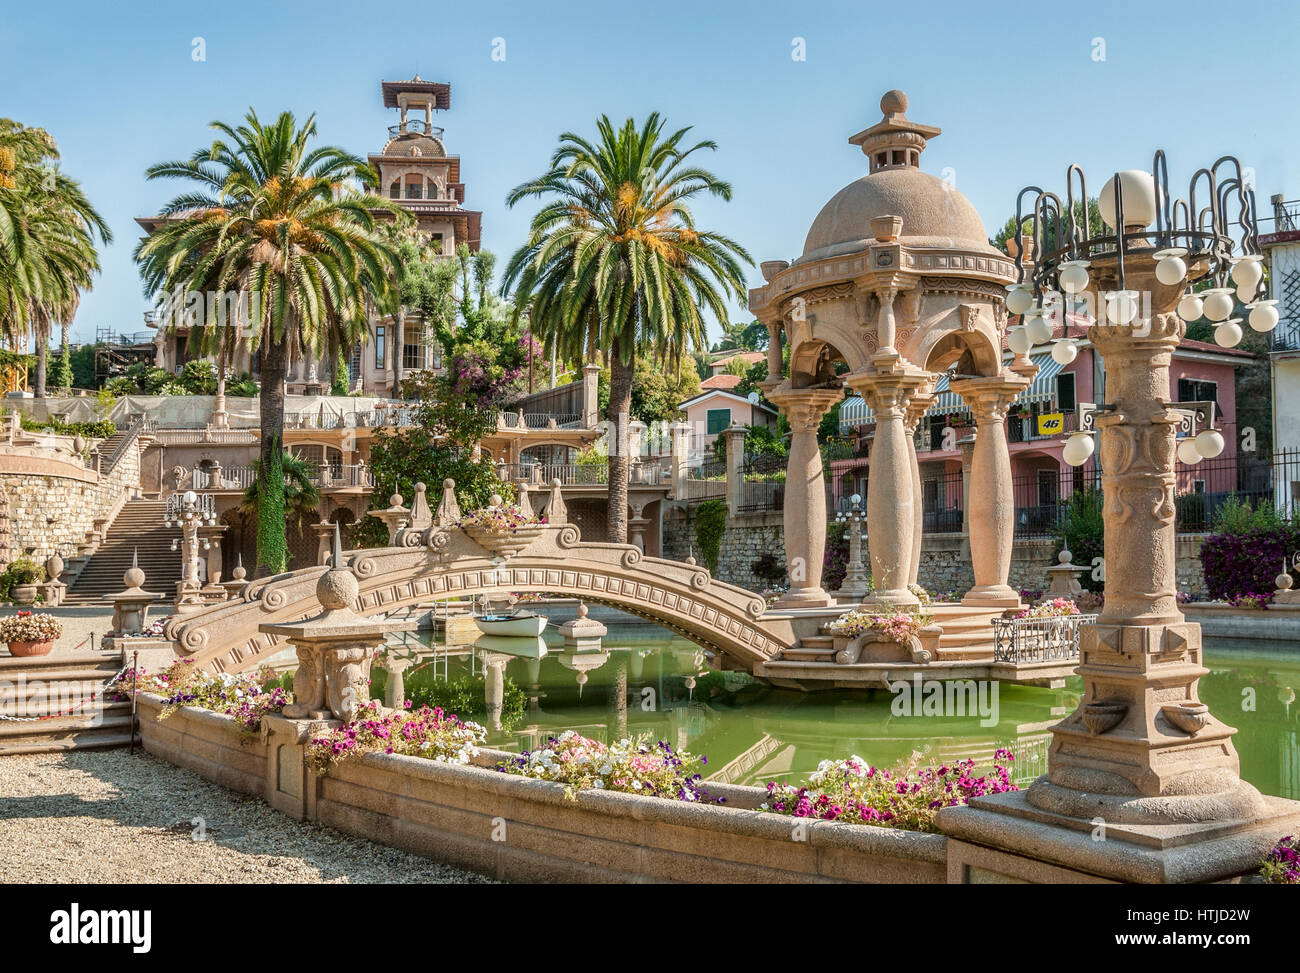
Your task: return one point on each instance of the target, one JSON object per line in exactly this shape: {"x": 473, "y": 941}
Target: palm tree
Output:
{"x": 614, "y": 261}
{"x": 48, "y": 230}
{"x": 298, "y": 495}
{"x": 284, "y": 226}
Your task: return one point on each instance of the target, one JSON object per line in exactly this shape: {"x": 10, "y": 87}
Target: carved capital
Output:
{"x": 804, "y": 408}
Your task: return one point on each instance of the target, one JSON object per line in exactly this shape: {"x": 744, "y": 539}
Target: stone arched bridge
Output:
{"x": 447, "y": 563}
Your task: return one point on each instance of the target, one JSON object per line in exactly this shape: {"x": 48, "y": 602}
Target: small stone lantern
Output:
{"x": 583, "y": 632}
{"x": 1064, "y": 577}
{"x": 131, "y": 606}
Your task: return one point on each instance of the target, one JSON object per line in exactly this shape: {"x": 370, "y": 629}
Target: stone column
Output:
{"x": 775, "y": 362}
{"x": 992, "y": 502}
{"x": 893, "y": 505}
{"x": 967, "y": 446}
{"x": 590, "y": 396}
{"x": 735, "y": 440}
{"x": 805, "y": 496}
{"x": 681, "y": 433}
{"x": 324, "y": 533}
{"x": 915, "y": 412}
{"x": 637, "y": 523}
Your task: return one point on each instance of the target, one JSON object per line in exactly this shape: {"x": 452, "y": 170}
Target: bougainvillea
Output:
{"x": 1282, "y": 865}
{"x": 855, "y": 792}
{"x": 1246, "y": 563}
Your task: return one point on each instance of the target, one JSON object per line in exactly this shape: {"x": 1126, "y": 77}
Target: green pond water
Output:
{"x": 751, "y": 733}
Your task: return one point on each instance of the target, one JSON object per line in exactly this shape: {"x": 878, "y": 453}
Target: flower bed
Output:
{"x": 891, "y": 624}
{"x": 500, "y": 520}
{"x": 631, "y": 766}
{"x": 244, "y": 698}
{"x": 1282, "y": 866}
{"x": 429, "y": 733}
{"x": 855, "y": 792}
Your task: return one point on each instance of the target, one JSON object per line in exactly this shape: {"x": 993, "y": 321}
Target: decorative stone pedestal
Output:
{"x": 582, "y": 632}
{"x": 1064, "y": 577}
{"x": 290, "y": 783}
{"x": 335, "y": 648}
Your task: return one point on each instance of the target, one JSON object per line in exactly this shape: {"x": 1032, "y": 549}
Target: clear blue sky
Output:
{"x": 1015, "y": 88}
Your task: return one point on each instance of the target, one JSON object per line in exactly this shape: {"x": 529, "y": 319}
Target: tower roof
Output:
{"x": 439, "y": 90}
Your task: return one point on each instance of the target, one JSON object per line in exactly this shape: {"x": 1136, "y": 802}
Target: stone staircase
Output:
{"x": 31, "y": 687}
{"x": 967, "y": 635}
{"x": 137, "y": 527}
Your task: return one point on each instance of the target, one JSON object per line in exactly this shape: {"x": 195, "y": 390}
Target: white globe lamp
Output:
{"x": 1263, "y": 316}
{"x": 1139, "y": 191}
{"x": 1228, "y": 334}
{"x": 1209, "y": 443}
{"x": 1191, "y": 307}
{"x": 1019, "y": 298}
{"x": 1065, "y": 351}
{"x": 1187, "y": 452}
{"x": 1074, "y": 276}
{"x": 1018, "y": 341}
{"x": 1078, "y": 448}
{"x": 1218, "y": 303}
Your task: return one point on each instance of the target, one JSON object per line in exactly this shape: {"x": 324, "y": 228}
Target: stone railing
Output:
{"x": 240, "y": 478}
{"x": 579, "y": 474}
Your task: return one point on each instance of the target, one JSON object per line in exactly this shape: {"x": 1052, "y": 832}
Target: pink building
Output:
{"x": 716, "y": 408}
{"x": 1035, "y": 430}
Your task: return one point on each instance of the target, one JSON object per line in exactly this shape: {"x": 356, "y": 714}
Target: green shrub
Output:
{"x": 710, "y": 524}
{"x": 1235, "y": 517}
{"x": 20, "y": 571}
{"x": 1083, "y": 532}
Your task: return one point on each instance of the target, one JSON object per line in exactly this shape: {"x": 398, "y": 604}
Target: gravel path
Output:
{"x": 110, "y": 816}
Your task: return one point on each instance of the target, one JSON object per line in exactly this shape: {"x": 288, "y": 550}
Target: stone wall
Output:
{"x": 54, "y": 501}
{"x": 945, "y": 558}
{"x": 455, "y": 814}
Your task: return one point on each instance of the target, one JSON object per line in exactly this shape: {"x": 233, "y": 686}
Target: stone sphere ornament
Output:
{"x": 1187, "y": 452}
{"x": 1171, "y": 268}
{"x": 1263, "y": 316}
{"x": 1065, "y": 351}
{"x": 1218, "y": 303}
{"x": 337, "y": 588}
{"x": 1191, "y": 307}
{"x": 1228, "y": 334}
{"x": 1209, "y": 443}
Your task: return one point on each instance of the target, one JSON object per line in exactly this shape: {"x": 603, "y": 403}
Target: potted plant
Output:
{"x": 30, "y": 634}
{"x": 502, "y": 528}
{"x": 21, "y": 578}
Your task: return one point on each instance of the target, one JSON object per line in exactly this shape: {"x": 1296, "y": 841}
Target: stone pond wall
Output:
{"x": 945, "y": 558}
{"x": 55, "y": 501}
{"x": 521, "y": 830}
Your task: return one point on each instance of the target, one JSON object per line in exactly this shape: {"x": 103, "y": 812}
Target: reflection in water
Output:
{"x": 643, "y": 680}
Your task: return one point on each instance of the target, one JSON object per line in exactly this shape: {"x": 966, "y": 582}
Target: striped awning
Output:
{"x": 855, "y": 412}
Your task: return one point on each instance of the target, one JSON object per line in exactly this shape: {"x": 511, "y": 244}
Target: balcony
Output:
{"x": 538, "y": 420}
{"x": 237, "y": 479}
{"x": 415, "y": 126}
{"x": 578, "y": 474}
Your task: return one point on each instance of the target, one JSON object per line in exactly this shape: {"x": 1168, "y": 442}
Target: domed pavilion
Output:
{"x": 897, "y": 280}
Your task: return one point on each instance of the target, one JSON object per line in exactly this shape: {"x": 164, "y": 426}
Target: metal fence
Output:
{"x": 1048, "y": 639}
{"x": 762, "y": 483}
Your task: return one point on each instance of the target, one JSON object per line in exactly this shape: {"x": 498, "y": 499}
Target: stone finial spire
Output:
{"x": 556, "y": 511}
{"x": 894, "y": 142}
{"x": 133, "y": 577}
{"x": 240, "y": 571}
{"x": 523, "y": 503}
{"x": 448, "y": 508}
{"x": 420, "y": 515}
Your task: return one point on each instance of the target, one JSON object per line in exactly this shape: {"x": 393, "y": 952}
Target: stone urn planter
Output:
{"x": 506, "y": 545}
{"x": 24, "y": 594}
{"x": 27, "y": 649}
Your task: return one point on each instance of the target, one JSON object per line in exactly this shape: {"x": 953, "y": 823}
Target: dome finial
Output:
{"x": 893, "y": 102}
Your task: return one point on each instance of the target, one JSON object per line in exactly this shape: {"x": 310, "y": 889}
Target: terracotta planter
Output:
{"x": 27, "y": 649}
{"x": 24, "y": 594}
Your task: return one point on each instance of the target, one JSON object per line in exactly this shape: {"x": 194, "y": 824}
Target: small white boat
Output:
{"x": 520, "y": 624}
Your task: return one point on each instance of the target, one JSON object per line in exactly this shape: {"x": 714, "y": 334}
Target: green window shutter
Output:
{"x": 718, "y": 420}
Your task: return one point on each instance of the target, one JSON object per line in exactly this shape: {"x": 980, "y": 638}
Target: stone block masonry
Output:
{"x": 54, "y": 501}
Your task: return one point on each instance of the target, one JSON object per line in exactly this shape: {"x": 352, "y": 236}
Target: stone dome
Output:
{"x": 933, "y": 212}
{"x": 934, "y": 215}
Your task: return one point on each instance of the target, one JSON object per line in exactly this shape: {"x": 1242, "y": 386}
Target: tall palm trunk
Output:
{"x": 42, "y": 331}
{"x": 272, "y": 555}
{"x": 397, "y": 339}
{"x": 620, "y": 409}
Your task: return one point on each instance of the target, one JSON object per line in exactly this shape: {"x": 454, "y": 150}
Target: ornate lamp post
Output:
{"x": 1141, "y": 753}
{"x": 854, "y": 517}
{"x": 189, "y": 511}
